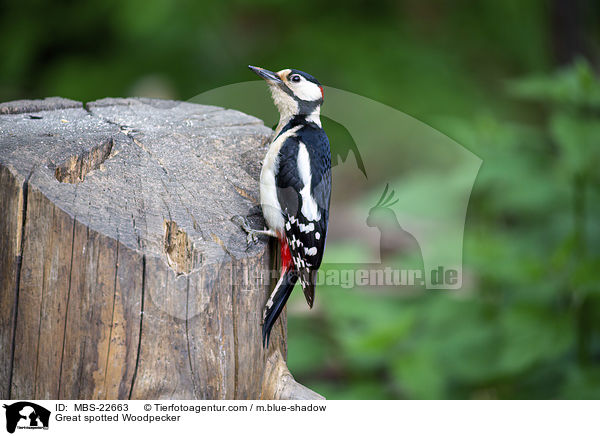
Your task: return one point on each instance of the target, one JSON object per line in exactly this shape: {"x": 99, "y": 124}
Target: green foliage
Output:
{"x": 576, "y": 85}
{"x": 525, "y": 323}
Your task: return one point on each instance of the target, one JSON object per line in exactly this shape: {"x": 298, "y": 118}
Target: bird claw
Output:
{"x": 240, "y": 221}
{"x": 252, "y": 237}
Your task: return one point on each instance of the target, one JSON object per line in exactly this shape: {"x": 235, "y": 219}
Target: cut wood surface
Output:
{"x": 122, "y": 274}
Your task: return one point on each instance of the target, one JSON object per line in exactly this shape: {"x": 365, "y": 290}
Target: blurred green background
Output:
{"x": 514, "y": 81}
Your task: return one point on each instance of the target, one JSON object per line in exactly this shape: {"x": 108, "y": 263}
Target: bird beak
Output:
{"x": 269, "y": 76}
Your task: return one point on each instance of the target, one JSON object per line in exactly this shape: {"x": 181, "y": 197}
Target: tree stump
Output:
{"x": 122, "y": 274}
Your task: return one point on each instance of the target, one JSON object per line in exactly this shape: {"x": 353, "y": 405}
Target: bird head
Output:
{"x": 294, "y": 92}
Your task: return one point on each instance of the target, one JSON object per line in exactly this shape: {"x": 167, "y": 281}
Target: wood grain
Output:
{"x": 123, "y": 275}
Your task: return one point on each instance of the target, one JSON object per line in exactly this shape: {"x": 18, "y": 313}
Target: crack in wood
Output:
{"x": 139, "y": 346}
{"x": 136, "y": 232}
{"x": 20, "y": 243}
{"x": 143, "y": 147}
{"x": 66, "y": 310}
{"x": 76, "y": 168}
{"x": 112, "y": 317}
{"x": 37, "y": 358}
{"x": 220, "y": 242}
{"x": 187, "y": 337}
{"x": 235, "y": 334}
{"x": 244, "y": 193}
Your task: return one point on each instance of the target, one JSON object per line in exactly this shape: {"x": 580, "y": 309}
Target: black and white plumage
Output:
{"x": 295, "y": 186}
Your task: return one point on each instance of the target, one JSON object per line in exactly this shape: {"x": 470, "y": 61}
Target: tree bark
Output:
{"x": 122, "y": 274}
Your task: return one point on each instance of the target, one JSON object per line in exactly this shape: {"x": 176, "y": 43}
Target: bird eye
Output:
{"x": 295, "y": 78}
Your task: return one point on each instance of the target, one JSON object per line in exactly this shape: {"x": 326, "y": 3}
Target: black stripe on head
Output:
{"x": 308, "y": 107}
{"x": 305, "y": 75}
{"x": 305, "y": 107}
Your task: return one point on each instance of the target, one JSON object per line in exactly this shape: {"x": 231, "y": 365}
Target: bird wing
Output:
{"x": 306, "y": 224}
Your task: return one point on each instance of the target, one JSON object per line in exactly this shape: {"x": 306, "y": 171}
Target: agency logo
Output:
{"x": 417, "y": 224}
{"x": 26, "y": 415}
{"x": 400, "y": 192}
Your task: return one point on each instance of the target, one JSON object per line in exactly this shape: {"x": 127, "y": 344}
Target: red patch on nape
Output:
{"x": 286, "y": 256}
{"x": 322, "y": 93}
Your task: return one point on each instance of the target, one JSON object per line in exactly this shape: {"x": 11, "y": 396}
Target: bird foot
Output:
{"x": 253, "y": 234}
{"x": 252, "y": 237}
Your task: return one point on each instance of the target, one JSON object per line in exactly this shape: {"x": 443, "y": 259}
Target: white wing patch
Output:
{"x": 306, "y": 228}
{"x": 309, "y": 205}
{"x": 310, "y": 251}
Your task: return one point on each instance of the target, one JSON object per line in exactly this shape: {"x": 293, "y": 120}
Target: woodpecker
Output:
{"x": 295, "y": 187}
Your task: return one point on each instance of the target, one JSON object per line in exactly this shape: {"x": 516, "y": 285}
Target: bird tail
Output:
{"x": 276, "y": 301}
{"x": 308, "y": 280}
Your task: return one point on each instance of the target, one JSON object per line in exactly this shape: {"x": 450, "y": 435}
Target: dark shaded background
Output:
{"x": 514, "y": 81}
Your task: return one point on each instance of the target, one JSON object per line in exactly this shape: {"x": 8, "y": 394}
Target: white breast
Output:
{"x": 268, "y": 189}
